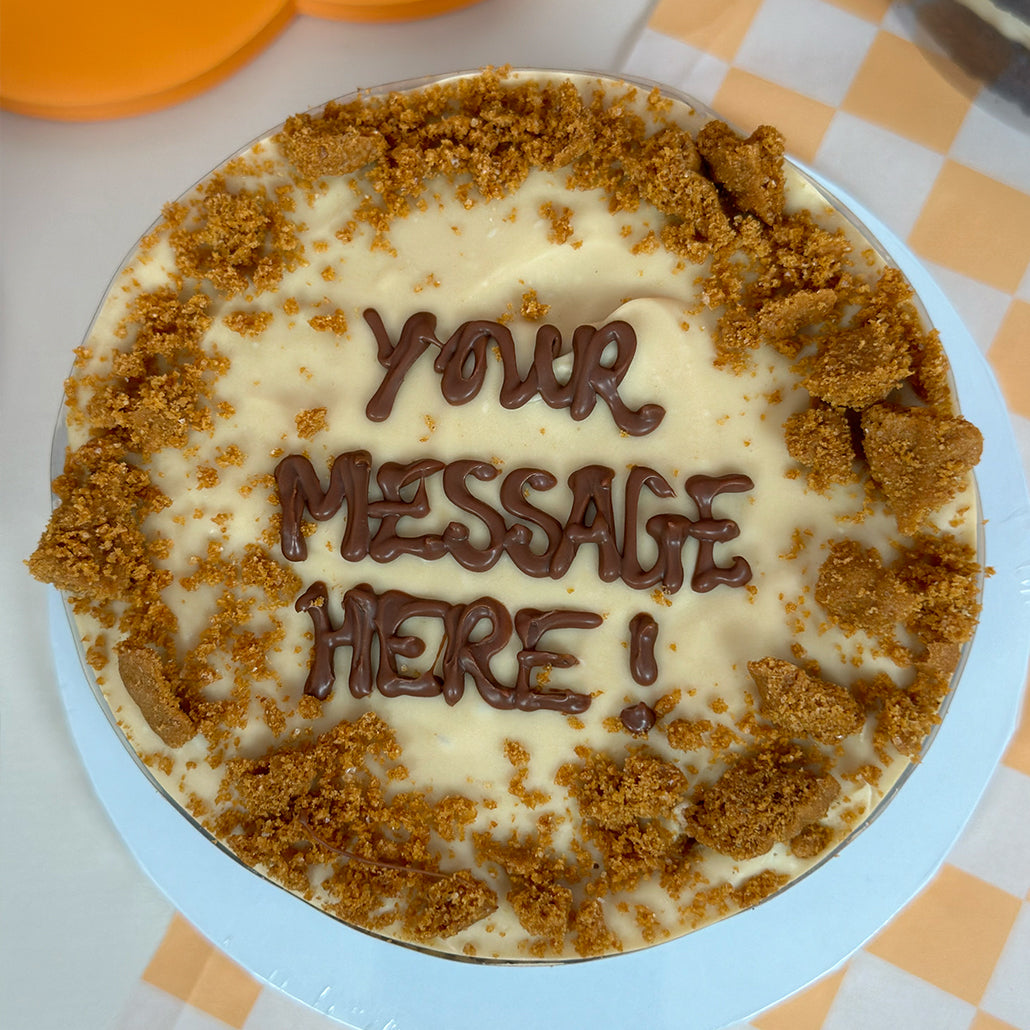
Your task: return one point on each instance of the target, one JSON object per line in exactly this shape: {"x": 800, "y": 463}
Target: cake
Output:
{"x": 518, "y": 515}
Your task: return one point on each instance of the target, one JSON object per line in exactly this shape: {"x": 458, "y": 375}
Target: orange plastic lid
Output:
{"x": 76, "y": 60}
{"x": 109, "y": 58}
{"x": 379, "y": 10}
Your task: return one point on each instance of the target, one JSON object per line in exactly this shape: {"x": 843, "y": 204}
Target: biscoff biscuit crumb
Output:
{"x": 821, "y": 439}
{"x": 146, "y": 679}
{"x": 235, "y": 241}
{"x": 859, "y": 592}
{"x": 311, "y": 422}
{"x": 812, "y": 841}
{"x": 751, "y": 169}
{"x": 918, "y": 458}
{"x": 250, "y": 324}
{"x": 561, "y": 230}
{"x": 802, "y": 705}
{"x": 532, "y": 307}
{"x": 591, "y": 935}
{"x": 766, "y": 795}
{"x": 336, "y": 323}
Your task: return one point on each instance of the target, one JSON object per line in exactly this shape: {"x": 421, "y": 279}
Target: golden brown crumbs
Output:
{"x": 719, "y": 899}
{"x": 156, "y": 390}
{"x": 533, "y": 308}
{"x": 449, "y": 906}
{"x": 452, "y": 815}
{"x": 648, "y": 245}
{"x": 909, "y": 715}
{"x": 943, "y": 574}
{"x": 720, "y": 739}
{"x": 543, "y": 909}
{"x": 687, "y": 735}
{"x": 802, "y": 705}
{"x": 869, "y": 773}
{"x": 858, "y": 592}
{"x": 197, "y": 806}
{"x": 650, "y": 926}
{"x": 751, "y": 170}
{"x": 207, "y": 477}
{"x": 625, "y": 813}
{"x": 821, "y": 439}
{"x": 310, "y": 422}
{"x": 516, "y": 753}
{"x": 336, "y": 323}
{"x": 757, "y": 888}
{"x": 230, "y": 457}
{"x": 97, "y": 653}
{"x": 273, "y": 716}
{"x": 591, "y": 935}
{"x": 94, "y": 545}
{"x": 331, "y": 809}
{"x": 308, "y": 707}
{"x": 918, "y": 458}
{"x": 236, "y": 241}
{"x": 667, "y": 702}
{"x": 518, "y": 756}
{"x": 147, "y": 680}
{"x": 858, "y": 366}
{"x": 930, "y": 376}
{"x": 812, "y": 841}
{"x": 766, "y": 796}
{"x": 250, "y": 324}
{"x": 799, "y": 541}
{"x": 279, "y": 583}
{"x": 561, "y": 222}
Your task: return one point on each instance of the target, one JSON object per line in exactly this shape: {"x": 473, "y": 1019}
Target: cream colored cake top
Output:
{"x": 516, "y": 519}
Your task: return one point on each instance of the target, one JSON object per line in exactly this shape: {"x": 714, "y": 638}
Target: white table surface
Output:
{"x": 78, "y": 919}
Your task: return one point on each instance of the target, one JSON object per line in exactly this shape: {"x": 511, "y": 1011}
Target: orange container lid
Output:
{"x": 379, "y": 10}
{"x": 76, "y": 60}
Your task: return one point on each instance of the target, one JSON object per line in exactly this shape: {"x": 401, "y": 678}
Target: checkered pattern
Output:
{"x": 883, "y": 118}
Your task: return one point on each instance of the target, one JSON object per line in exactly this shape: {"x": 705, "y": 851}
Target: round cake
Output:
{"x": 517, "y": 514}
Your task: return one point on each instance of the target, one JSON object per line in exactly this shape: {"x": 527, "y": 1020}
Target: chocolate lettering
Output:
{"x": 299, "y": 489}
{"x": 643, "y": 633}
{"x": 518, "y": 538}
{"x": 591, "y": 521}
{"x": 633, "y": 574}
{"x": 402, "y": 494}
{"x": 461, "y": 363}
{"x": 392, "y": 610}
{"x": 388, "y": 544}
{"x": 415, "y": 339}
{"x": 531, "y": 624}
{"x": 638, "y": 718}
{"x": 456, "y": 536}
{"x": 355, "y": 632}
{"x": 708, "y": 531}
{"x": 370, "y": 617}
{"x": 465, "y": 657}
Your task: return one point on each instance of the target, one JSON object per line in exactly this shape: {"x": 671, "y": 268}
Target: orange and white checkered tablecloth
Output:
{"x": 906, "y": 138}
